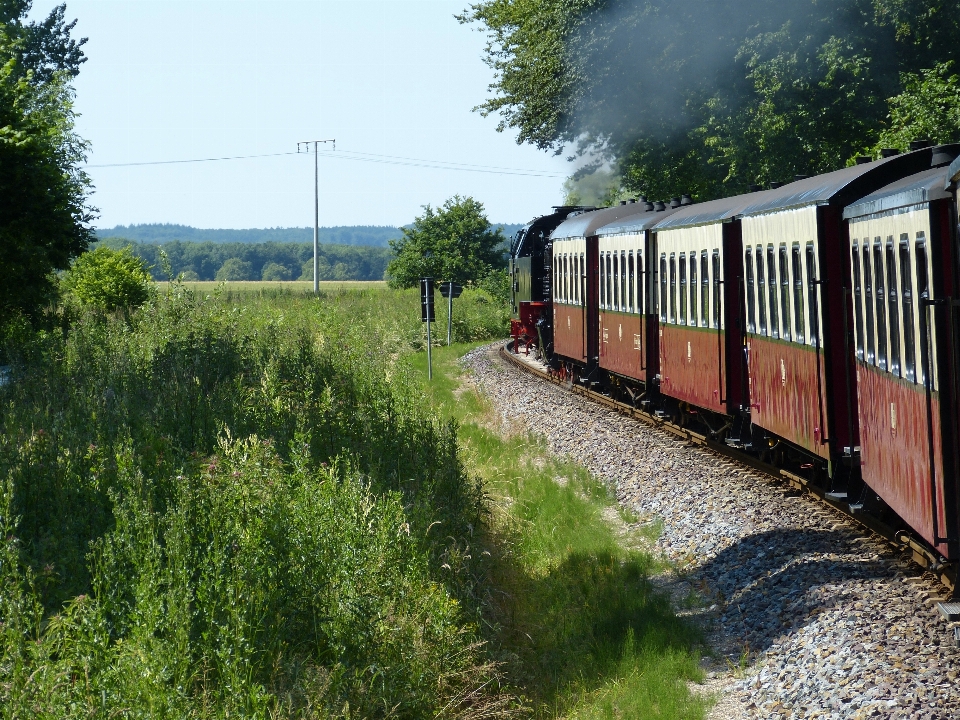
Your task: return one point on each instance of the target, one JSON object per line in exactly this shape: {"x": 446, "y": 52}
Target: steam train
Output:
{"x": 813, "y": 325}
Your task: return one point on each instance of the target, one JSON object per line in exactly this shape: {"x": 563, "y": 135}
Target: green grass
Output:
{"x": 571, "y": 611}
{"x": 294, "y": 286}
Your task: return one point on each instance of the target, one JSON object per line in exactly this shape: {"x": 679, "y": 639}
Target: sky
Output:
{"x": 168, "y": 80}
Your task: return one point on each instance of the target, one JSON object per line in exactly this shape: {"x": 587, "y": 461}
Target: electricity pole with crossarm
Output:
{"x": 316, "y": 208}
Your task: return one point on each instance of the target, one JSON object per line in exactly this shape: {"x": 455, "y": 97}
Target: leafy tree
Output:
{"x": 235, "y": 269}
{"x": 707, "y": 96}
{"x": 927, "y": 109}
{"x": 44, "y": 220}
{"x": 108, "y": 280}
{"x": 454, "y": 242}
{"x": 274, "y": 271}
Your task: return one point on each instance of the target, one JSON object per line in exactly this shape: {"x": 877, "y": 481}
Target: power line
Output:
{"x": 363, "y": 157}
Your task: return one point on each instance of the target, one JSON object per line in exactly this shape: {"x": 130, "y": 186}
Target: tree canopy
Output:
{"x": 454, "y": 242}
{"x": 108, "y": 280}
{"x": 44, "y": 219}
{"x": 711, "y": 96}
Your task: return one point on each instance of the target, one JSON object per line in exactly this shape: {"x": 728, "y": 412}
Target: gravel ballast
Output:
{"x": 809, "y": 614}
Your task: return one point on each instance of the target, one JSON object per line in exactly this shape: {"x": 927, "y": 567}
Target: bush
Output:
{"x": 108, "y": 280}
{"x": 235, "y": 269}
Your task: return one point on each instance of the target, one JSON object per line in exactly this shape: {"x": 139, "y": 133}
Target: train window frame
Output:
{"x": 600, "y": 282}
{"x": 772, "y": 292}
{"x": 641, "y": 285}
{"x": 694, "y": 309}
{"x": 799, "y": 320}
{"x": 609, "y": 281}
{"x": 616, "y": 281}
{"x": 673, "y": 288}
{"x": 704, "y": 289}
{"x": 749, "y": 284}
{"x": 682, "y": 289}
{"x": 575, "y": 277}
{"x": 631, "y": 284}
{"x": 624, "y": 292}
{"x": 909, "y": 363}
{"x": 761, "y": 293}
{"x": 663, "y": 287}
{"x": 923, "y": 293}
{"x": 785, "y": 314}
{"x": 813, "y": 302}
{"x": 857, "y": 299}
{"x": 717, "y": 280}
{"x": 563, "y": 277}
{"x": 868, "y": 304}
{"x": 893, "y": 309}
{"x": 880, "y": 297}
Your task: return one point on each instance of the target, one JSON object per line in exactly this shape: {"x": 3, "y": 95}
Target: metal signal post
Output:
{"x": 427, "y": 316}
{"x": 316, "y": 208}
{"x": 450, "y": 290}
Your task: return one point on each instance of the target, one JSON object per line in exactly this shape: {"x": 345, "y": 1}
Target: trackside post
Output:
{"x": 427, "y": 316}
{"x": 450, "y": 290}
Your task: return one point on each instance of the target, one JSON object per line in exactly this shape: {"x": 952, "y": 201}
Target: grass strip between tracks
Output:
{"x": 570, "y": 609}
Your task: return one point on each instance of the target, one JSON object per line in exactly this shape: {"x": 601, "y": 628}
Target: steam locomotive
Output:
{"x": 813, "y": 325}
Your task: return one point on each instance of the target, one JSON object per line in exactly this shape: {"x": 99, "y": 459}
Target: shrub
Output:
{"x": 108, "y": 280}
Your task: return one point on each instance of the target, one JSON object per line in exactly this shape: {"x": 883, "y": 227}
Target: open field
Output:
{"x": 293, "y": 286}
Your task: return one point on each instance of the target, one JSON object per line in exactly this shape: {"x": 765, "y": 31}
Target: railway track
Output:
{"x": 923, "y": 556}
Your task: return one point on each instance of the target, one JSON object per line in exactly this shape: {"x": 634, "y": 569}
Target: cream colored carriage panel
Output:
{"x": 569, "y": 258}
{"x": 784, "y": 228}
{"x": 696, "y": 240}
{"x": 909, "y": 230}
{"x": 623, "y": 247}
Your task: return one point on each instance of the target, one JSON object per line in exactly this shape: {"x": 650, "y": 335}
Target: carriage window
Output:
{"x": 683, "y": 290}
{"x": 694, "y": 321}
{"x": 663, "y": 287}
{"x": 812, "y": 303}
{"x": 583, "y": 280}
{"x": 879, "y": 295}
{"x": 609, "y": 282}
{"x": 894, "y": 309}
{"x": 906, "y": 288}
{"x": 574, "y": 280}
{"x": 623, "y": 281}
{"x": 761, "y": 292}
{"x": 751, "y": 297}
{"x": 772, "y": 292}
{"x": 673, "y": 288}
{"x": 785, "y": 292}
{"x": 798, "y": 323}
{"x": 601, "y": 275}
{"x": 923, "y": 292}
{"x": 868, "y": 302}
{"x": 857, "y": 299}
{"x": 616, "y": 281}
{"x": 716, "y": 289}
{"x": 631, "y": 305}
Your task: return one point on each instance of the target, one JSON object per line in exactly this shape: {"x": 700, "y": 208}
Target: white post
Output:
{"x": 316, "y": 220}
{"x": 449, "y": 310}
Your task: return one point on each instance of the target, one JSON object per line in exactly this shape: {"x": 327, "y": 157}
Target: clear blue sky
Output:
{"x": 172, "y": 80}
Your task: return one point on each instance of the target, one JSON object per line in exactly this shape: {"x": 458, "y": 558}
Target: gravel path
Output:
{"x": 809, "y": 615}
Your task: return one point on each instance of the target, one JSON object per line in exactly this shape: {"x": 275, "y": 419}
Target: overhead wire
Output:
{"x": 359, "y": 157}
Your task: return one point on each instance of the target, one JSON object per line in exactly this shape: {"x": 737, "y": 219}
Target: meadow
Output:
{"x": 248, "y": 502}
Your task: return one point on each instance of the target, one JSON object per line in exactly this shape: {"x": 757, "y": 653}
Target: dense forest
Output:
{"x": 258, "y": 261}
{"x": 160, "y": 233}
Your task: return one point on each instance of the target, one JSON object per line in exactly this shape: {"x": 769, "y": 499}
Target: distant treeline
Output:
{"x": 160, "y": 234}
{"x": 260, "y": 261}
{"x": 375, "y": 235}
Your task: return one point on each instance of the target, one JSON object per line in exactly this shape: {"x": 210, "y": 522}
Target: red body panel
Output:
{"x": 783, "y": 392}
{"x": 692, "y": 365}
{"x": 895, "y": 449}
{"x": 569, "y": 340}
{"x": 623, "y": 344}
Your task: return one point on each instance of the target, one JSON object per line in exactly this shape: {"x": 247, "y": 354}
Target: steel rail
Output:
{"x": 922, "y": 555}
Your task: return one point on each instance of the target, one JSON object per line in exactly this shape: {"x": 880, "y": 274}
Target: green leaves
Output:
{"x": 454, "y": 242}
{"x": 108, "y": 280}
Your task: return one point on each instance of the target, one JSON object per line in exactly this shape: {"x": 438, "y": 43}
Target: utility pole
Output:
{"x": 316, "y": 207}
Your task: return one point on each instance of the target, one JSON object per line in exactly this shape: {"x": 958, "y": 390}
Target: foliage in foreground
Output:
{"x": 108, "y": 280}
{"x": 215, "y": 510}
